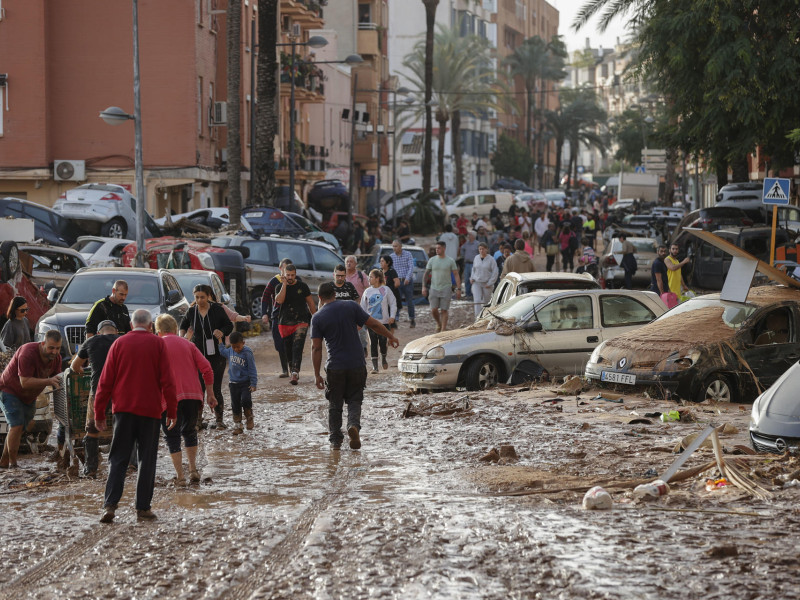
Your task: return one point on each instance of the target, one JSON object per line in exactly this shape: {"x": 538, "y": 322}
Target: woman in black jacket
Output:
{"x": 206, "y": 324}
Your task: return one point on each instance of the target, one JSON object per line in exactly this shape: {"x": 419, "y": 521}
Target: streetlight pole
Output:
{"x": 137, "y": 128}
{"x": 352, "y": 151}
{"x": 253, "y": 47}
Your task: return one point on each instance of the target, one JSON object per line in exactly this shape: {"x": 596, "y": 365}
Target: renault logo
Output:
{"x": 780, "y": 445}
{"x": 622, "y": 363}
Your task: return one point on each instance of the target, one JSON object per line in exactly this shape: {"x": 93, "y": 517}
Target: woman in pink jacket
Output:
{"x": 185, "y": 360}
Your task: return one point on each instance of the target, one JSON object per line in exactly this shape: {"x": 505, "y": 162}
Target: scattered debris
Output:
{"x": 438, "y": 409}
{"x": 508, "y": 452}
{"x": 722, "y": 551}
{"x": 672, "y": 415}
{"x": 651, "y": 490}
{"x": 716, "y": 484}
{"x": 492, "y": 456}
{"x": 605, "y": 396}
{"x": 573, "y": 384}
{"x": 597, "y": 499}
{"x": 640, "y": 422}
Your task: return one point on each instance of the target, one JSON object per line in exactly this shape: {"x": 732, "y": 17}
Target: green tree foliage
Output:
{"x": 728, "y": 69}
{"x": 630, "y": 131}
{"x": 512, "y": 159}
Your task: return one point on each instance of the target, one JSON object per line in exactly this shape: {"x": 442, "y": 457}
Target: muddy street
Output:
{"x": 415, "y": 513}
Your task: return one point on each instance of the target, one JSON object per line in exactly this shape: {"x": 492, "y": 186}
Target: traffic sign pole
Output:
{"x": 774, "y": 227}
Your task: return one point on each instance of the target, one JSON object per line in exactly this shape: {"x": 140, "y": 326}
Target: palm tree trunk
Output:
{"x": 528, "y": 117}
{"x": 430, "y": 26}
{"x": 440, "y": 151}
{"x": 669, "y": 177}
{"x": 267, "y": 108}
{"x": 455, "y": 133}
{"x": 559, "y": 150}
{"x": 234, "y": 163}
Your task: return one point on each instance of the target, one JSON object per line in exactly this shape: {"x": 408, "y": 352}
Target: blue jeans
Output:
{"x": 130, "y": 429}
{"x": 467, "y": 275}
{"x": 407, "y": 291}
{"x": 344, "y": 386}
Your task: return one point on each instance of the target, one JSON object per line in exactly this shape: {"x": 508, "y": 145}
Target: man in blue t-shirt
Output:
{"x": 337, "y": 322}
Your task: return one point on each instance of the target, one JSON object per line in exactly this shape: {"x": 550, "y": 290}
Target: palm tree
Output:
{"x": 462, "y": 82}
{"x": 234, "y": 166}
{"x": 430, "y": 26}
{"x": 576, "y": 121}
{"x": 266, "y": 117}
{"x": 536, "y": 61}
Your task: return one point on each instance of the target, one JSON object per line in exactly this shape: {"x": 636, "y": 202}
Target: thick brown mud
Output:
{"x": 414, "y": 513}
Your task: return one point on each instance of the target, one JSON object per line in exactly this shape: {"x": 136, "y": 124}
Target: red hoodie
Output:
{"x": 136, "y": 375}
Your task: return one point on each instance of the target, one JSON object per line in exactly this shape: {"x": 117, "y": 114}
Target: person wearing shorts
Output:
{"x": 443, "y": 270}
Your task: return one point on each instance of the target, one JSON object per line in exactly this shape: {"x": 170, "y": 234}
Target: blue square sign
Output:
{"x": 776, "y": 191}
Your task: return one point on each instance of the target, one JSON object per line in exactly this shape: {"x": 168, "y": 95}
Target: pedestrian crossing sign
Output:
{"x": 776, "y": 191}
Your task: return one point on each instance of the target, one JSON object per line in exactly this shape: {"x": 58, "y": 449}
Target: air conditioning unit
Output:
{"x": 69, "y": 170}
{"x": 296, "y": 31}
{"x": 220, "y": 114}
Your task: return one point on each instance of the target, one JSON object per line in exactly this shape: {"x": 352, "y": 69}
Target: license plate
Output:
{"x": 410, "y": 368}
{"x": 612, "y": 377}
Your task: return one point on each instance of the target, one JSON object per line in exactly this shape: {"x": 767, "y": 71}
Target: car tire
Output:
{"x": 10, "y": 255}
{"x": 115, "y": 228}
{"x": 718, "y": 388}
{"x": 481, "y": 373}
{"x": 255, "y": 302}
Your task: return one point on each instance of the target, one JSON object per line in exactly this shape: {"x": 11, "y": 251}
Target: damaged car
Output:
{"x": 707, "y": 348}
{"x": 532, "y": 336}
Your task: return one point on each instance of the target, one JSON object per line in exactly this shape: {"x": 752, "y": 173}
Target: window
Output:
{"x": 620, "y": 311}
{"x": 505, "y": 291}
{"x": 324, "y": 259}
{"x": 469, "y": 201}
{"x": 295, "y": 252}
{"x": 39, "y": 214}
{"x": 484, "y": 199}
{"x": 567, "y": 314}
{"x": 12, "y": 209}
{"x": 200, "y": 106}
{"x": 364, "y": 14}
{"x": 259, "y": 252}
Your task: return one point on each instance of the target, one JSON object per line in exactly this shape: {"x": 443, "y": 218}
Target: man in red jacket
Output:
{"x": 136, "y": 376}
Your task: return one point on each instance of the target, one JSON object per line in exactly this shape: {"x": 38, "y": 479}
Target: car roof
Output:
{"x": 405, "y": 247}
{"x": 192, "y": 272}
{"x": 272, "y": 236}
{"x": 24, "y": 201}
{"x": 551, "y": 294}
{"x": 544, "y": 276}
{"x": 100, "y": 238}
{"x": 121, "y": 270}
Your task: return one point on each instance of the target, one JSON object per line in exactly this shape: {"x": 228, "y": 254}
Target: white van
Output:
{"x": 480, "y": 202}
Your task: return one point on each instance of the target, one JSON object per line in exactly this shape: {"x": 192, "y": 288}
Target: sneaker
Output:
{"x": 194, "y": 476}
{"x": 145, "y": 515}
{"x": 413, "y": 324}
{"x": 355, "y": 439}
{"x": 109, "y": 512}
{"x": 374, "y": 370}
{"x": 295, "y": 378}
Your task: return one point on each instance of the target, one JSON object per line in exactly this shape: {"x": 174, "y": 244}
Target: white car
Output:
{"x": 532, "y": 335}
{"x": 105, "y": 209}
{"x": 101, "y": 251}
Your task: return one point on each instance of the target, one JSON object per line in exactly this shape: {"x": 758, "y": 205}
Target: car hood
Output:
{"x": 779, "y": 406}
{"x": 478, "y": 335}
{"x": 64, "y": 315}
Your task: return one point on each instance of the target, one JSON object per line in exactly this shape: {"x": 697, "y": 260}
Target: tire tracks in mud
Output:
{"x": 49, "y": 568}
{"x": 289, "y": 547}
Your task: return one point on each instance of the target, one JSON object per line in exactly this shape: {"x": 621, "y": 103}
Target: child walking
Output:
{"x": 243, "y": 380}
{"x": 379, "y": 302}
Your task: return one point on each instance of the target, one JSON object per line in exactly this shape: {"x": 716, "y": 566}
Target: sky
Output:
{"x": 568, "y": 9}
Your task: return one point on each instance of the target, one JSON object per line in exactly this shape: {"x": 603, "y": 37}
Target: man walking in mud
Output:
{"x": 136, "y": 376}
{"x": 337, "y": 322}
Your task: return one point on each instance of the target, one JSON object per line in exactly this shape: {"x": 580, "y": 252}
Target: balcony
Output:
{"x": 365, "y": 154}
{"x": 308, "y": 13}
{"x": 368, "y": 40}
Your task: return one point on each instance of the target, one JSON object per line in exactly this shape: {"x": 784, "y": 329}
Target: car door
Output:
{"x": 709, "y": 267}
{"x": 771, "y": 344}
{"x": 325, "y": 262}
{"x": 570, "y": 332}
{"x": 620, "y": 314}
{"x": 261, "y": 265}
{"x": 301, "y": 258}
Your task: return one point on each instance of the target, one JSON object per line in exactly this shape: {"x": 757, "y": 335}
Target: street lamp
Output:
{"x": 315, "y": 41}
{"x": 116, "y": 116}
{"x": 401, "y": 90}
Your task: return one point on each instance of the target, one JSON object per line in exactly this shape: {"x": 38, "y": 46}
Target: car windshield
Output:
{"x": 187, "y": 281}
{"x": 88, "y": 288}
{"x": 87, "y": 246}
{"x": 731, "y": 314}
{"x": 518, "y": 308}
{"x": 557, "y": 284}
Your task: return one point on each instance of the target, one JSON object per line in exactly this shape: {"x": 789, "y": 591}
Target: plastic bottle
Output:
{"x": 597, "y": 499}
{"x": 654, "y": 489}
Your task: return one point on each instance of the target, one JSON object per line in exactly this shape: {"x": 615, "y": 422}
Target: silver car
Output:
{"x": 533, "y": 335}
{"x": 105, "y": 209}
{"x": 51, "y": 263}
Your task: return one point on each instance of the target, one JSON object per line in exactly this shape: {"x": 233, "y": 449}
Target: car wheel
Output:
{"x": 115, "y": 228}
{"x": 255, "y": 303}
{"x": 482, "y": 373}
{"x": 10, "y": 254}
{"x": 717, "y": 388}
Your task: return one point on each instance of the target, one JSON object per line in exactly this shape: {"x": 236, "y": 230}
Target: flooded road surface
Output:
{"x": 413, "y": 514}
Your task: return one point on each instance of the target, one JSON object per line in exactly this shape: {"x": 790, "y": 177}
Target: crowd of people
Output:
{"x": 153, "y": 377}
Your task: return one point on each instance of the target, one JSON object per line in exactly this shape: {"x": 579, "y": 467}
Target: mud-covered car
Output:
{"x": 531, "y": 336}
{"x": 707, "y": 348}
{"x": 516, "y": 284}
{"x": 775, "y": 417}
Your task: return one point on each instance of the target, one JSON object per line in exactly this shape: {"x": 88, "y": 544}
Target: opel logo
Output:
{"x": 623, "y": 362}
{"x": 780, "y": 444}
